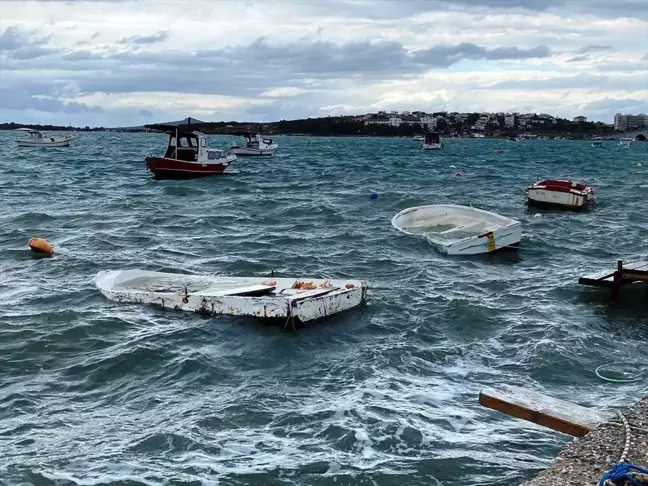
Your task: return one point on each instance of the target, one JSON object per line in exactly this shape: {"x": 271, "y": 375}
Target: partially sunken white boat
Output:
{"x": 459, "y": 230}
{"x": 291, "y": 300}
{"x": 42, "y": 139}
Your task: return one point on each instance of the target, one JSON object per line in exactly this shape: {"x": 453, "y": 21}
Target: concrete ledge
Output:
{"x": 587, "y": 459}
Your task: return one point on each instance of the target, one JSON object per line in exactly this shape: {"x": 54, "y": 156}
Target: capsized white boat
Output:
{"x": 293, "y": 300}
{"x": 459, "y": 230}
{"x": 38, "y": 138}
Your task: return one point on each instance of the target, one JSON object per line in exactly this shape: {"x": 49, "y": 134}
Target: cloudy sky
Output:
{"x": 128, "y": 62}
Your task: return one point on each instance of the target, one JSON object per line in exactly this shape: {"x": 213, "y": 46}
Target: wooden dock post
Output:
{"x": 616, "y": 281}
{"x": 627, "y": 274}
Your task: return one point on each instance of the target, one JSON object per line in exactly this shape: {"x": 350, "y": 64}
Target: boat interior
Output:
{"x": 448, "y": 225}
{"x": 187, "y": 148}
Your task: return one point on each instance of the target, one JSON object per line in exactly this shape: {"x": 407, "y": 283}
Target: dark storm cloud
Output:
{"x": 146, "y": 39}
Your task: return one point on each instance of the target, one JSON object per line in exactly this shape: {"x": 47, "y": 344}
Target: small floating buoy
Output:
{"x": 639, "y": 164}
{"x": 374, "y": 195}
{"x": 39, "y": 245}
{"x": 458, "y": 174}
{"x": 499, "y": 151}
{"x": 537, "y": 215}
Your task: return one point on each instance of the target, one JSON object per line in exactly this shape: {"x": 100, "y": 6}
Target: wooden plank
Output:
{"x": 535, "y": 407}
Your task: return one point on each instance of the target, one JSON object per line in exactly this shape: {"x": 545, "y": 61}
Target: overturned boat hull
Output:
{"x": 288, "y": 299}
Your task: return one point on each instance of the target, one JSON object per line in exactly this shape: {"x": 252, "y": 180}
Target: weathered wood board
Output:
{"x": 535, "y": 407}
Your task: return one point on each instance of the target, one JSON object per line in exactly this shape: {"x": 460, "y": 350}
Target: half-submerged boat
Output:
{"x": 459, "y": 230}
{"x": 291, "y": 300}
{"x": 38, "y": 138}
{"x": 432, "y": 141}
{"x": 254, "y": 145}
{"x": 188, "y": 155}
{"x": 562, "y": 193}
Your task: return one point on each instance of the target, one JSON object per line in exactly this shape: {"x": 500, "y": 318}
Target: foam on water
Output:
{"x": 95, "y": 392}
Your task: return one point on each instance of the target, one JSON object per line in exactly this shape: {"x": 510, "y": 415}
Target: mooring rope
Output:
{"x": 635, "y": 378}
{"x": 624, "y": 473}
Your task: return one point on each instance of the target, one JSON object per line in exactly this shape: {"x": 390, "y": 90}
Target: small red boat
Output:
{"x": 188, "y": 155}
{"x": 564, "y": 194}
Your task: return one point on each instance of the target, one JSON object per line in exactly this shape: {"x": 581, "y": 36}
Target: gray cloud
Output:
{"x": 593, "y": 48}
{"x": 645, "y": 58}
{"x": 147, "y": 39}
{"x": 20, "y": 100}
{"x": 630, "y": 82}
{"x": 250, "y": 70}
{"x": 583, "y": 57}
{"x": 444, "y": 56}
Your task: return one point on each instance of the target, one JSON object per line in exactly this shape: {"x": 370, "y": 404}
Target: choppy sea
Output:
{"x": 95, "y": 392}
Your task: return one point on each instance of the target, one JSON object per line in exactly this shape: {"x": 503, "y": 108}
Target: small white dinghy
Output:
{"x": 459, "y": 230}
{"x": 293, "y": 300}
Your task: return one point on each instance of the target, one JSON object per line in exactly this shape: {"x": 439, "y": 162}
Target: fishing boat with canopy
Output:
{"x": 188, "y": 155}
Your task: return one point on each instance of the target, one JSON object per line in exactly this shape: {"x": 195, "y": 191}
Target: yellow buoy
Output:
{"x": 638, "y": 164}
{"x": 39, "y": 245}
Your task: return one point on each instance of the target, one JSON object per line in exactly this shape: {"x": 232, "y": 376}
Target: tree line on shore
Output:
{"x": 350, "y": 126}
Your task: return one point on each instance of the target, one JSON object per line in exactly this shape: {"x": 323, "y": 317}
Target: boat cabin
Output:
{"x": 32, "y": 133}
{"x": 188, "y": 145}
{"x": 432, "y": 137}
{"x": 254, "y": 141}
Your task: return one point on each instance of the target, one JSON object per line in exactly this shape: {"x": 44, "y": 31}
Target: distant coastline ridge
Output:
{"x": 405, "y": 124}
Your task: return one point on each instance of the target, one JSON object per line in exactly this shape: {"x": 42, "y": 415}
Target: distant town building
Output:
{"x": 579, "y": 119}
{"x": 628, "y": 122}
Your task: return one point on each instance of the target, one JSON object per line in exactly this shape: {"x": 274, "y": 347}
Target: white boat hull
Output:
{"x": 459, "y": 230}
{"x": 265, "y": 298}
{"x": 49, "y": 142}
{"x": 251, "y": 152}
{"x": 432, "y": 146}
{"x": 561, "y": 193}
{"x": 557, "y": 198}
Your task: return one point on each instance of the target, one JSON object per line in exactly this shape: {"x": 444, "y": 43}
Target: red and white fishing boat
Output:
{"x": 564, "y": 194}
{"x": 188, "y": 155}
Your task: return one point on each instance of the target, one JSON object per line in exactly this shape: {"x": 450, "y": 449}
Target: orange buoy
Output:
{"x": 39, "y": 245}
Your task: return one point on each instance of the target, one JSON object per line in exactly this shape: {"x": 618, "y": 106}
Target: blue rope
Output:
{"x": 621, "y": 472}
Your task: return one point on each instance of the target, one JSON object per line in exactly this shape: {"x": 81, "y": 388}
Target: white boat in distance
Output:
{"x": 418, "y": 138}
{"x": 459, "y": 230}
{"x": 432, "y": 141}
{"x": 255, "y": 145}
{"x": 291, "y": 300}
{"x": 38, "y": 138}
